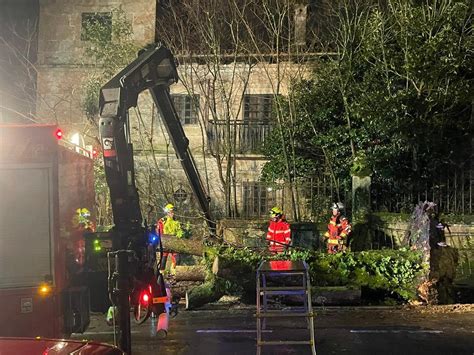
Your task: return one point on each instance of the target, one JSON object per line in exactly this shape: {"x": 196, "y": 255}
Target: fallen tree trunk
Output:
{"x": 190, "y": 273}
{"x": 206, "y": 293}
{"x": 239, "y": 273}
{"x": 184, "y": 246}
{"x": 180, "y": 288}
{"x": 219, "y": 270}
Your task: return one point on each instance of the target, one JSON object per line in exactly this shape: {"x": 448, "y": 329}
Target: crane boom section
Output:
{"x": 154, "y": 70}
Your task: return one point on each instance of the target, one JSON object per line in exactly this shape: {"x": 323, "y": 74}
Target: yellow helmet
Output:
{"x": 168, "y": 208}
{"x": 275, "y": 211}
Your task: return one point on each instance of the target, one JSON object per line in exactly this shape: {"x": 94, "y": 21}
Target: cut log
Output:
{"x": 241, "y": 274}
{"x": 184, "y": 246}
{"x": 190, "y": 273}
{"x": 225, "y": 273}
{"x": 180, "y": 288}
{"x": 336, "y": 296}
{"x": 199, "y": 296}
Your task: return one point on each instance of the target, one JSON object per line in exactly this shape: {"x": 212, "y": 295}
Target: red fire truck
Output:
{"x": 46, "y": 194}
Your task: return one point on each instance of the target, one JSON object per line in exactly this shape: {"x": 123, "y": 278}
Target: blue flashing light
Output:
{"x": 152, "y": 238}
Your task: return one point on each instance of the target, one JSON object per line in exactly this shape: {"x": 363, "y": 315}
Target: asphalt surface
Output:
{"x": 226, "y": 329}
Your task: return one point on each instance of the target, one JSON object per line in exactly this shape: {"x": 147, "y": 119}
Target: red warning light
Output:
{"x": 95, "y": 153}
{"x": 145, "y": 298}
{"x": 59, "y": 134}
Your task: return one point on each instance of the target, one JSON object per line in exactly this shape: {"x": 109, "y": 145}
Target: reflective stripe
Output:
{"x": 333, "y": 241}
{"x": 333, "y": 223}
{"x": 282, "y": 232}
{"x": 343, "y": 234}
{"x": 163, "y": 299}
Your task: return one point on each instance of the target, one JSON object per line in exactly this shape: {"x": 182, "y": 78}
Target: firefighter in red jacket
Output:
{"x": 339, "y": 230}
{"x": 279, "y": 233}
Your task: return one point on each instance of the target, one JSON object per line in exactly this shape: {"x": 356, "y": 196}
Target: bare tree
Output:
{"x": 215, "y": 65}
{"x": 225, "y": 52}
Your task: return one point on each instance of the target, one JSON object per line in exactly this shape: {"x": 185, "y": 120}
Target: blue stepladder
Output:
{"x": 277, "y": 279}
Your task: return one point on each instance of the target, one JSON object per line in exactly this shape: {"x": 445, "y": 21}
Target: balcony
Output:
{"x": 249, "y": 135}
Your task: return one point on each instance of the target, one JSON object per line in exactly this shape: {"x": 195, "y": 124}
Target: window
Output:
{"x": 96, "y": 25}
{"x": 187, "y": 107}
{"x": 257, "y": 199}
{"x": 258, "y": 107}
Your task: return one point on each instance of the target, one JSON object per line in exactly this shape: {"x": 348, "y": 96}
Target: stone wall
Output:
{"x": 62, "y": 66}
{"x": 60, "y": 27}
{"x": 235, "y": 80}
{"x": 392, "y": 229}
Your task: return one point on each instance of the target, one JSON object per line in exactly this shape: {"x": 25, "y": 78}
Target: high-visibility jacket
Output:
{"x": 168, "y": 225}
{"x": 333, "y": 227}
{"x": 278, "y": 235}
{"x": 345, "y": 228}
{"x": 338, "y": 231}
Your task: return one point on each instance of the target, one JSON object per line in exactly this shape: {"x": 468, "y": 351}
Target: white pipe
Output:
{"x": 162, "y": 325}
{"x": 164, "y": 318}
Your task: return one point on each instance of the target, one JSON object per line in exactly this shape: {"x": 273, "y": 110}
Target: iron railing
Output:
{"x": 453, "y": 195}
{"x": 313, "y": 197}
{"x": 452, "y": 192}
{"x": 243, "y": 137}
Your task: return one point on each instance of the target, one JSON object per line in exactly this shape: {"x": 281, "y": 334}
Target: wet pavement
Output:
{"x": 231, "y": 330}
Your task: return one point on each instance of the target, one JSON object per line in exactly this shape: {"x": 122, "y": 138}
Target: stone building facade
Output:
{"x": 63, "y": 68}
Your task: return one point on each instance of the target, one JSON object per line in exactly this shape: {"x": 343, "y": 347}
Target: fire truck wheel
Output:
{"x": 141, "y": 312}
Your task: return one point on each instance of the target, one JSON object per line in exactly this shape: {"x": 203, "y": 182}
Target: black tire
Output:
{"x": 141, "y": 312}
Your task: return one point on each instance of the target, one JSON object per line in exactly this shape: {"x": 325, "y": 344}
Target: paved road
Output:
{"x": 337, "y": 330}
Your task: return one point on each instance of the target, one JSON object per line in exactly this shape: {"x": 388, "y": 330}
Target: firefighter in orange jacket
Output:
{"x": 339, "y": 229}
{"x": 279, "y": 233}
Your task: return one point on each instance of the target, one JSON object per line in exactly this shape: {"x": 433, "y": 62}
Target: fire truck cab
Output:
{"x": 44, "y": 184}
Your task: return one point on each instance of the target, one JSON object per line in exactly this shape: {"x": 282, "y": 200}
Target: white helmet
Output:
{"x": 337, "y": 206}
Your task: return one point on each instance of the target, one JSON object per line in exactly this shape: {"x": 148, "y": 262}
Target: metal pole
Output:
{"x": 122, "y": 291}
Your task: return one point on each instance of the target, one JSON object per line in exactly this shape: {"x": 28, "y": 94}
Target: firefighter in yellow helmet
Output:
{"x": 279, "y": 233}
{"x": 168, "y": 225}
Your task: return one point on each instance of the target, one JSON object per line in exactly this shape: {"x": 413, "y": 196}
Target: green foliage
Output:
{"x": 90, "y": 103}
{"x": 395, "y": 271}
{"x": 110, "y": 47}
{"x": 111, "y": 52}
{"x": 399, "y": 92}
{"x": 186, "y": 230}
{"x": 360, "y": 165}
{"x": 102, "y": 207}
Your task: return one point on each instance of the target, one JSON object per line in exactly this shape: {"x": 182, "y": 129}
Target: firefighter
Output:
{"x": 345, "y": 231}
{"x": 279, "y": 233}
{"x": 168, "y": 225}
{"x": 339, "y": 230}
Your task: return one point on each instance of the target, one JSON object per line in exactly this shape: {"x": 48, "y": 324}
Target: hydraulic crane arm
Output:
{"x": 180, "y": 143}
{"x": 155, "y": 70}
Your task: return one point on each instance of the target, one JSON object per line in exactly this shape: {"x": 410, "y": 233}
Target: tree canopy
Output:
{"x": 397, "y": 97}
